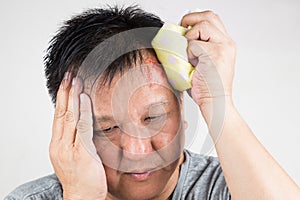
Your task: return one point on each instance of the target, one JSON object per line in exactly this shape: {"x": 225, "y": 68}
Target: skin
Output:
{"x": 141, "y": 132}
{"x": 246, "y": 165}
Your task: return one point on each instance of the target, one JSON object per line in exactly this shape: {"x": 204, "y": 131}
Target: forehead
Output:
{"x": 139, "y": 86}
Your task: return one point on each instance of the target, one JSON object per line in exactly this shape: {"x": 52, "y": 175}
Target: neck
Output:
{"x": 170, "y": 186}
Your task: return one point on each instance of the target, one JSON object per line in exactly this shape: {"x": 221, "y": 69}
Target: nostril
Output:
{"x": 134, "y": 147}
{"x": 135, "y": 156}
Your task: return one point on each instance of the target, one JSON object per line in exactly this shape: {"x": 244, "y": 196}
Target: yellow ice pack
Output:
{"x": 170, "y": 46}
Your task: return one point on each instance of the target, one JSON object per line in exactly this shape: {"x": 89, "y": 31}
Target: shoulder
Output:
{"x": 203, "y": 168}
{"x": 202, "y": 160}
{"x": 47, "y": 187}
{"x": 202, "y": 177}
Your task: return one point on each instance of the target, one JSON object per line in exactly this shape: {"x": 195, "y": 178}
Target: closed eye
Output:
{"x": 106, "y": 131}
{"x": 149, "y": 119}
{"x": 109, "y": 129}
{"x": 154, "y": 118}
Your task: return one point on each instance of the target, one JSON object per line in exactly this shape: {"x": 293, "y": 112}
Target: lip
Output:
{"x": 139, "y": 175}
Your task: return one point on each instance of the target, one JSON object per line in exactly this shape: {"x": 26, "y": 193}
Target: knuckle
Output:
{"x": 204, "y": 23}
{"x": 71, "y": 93}
{"x": 69, "y": 116}
{"x": 86, "y": 110}
{"x": 84, "y": 126}
{"x": 59, "y": 112}
{"x": 210, "y": 14}
{"x": 184, "y": 18}
{"x": 61, "y": 154}
{"x": 216, "y": 16}
{"x": 222, "y": 52}
{"x": 64, "y": 151}
{"x": 230, "y": 46}
{"x": 192, "y": 44}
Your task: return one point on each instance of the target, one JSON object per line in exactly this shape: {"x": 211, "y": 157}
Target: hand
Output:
{"x": 72, "y": 152}
{"x": 212, "y": 52}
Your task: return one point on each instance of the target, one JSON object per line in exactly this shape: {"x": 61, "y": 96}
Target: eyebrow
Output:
{"x": 109, "y": 118}
{"x": 104, "y": 118}
{"x": 156, "y": 104}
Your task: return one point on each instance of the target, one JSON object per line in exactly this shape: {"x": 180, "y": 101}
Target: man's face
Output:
{"x": 138, "y": 132}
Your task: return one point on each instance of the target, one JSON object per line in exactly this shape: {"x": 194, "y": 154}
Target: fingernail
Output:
{"x": 74, "y": 81}
{"x": 198, "y": 10}
{"x": 82, "y": 98}
{"x": 65, "y": 82}
{"x": 66, "y": 75}
{"x": 188, "y": 11}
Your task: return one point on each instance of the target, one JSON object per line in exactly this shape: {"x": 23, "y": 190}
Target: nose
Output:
{"x": 134, "y": 147}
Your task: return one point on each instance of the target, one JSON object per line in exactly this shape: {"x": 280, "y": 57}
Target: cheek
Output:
{"x": 165, "y": 136}
{"x": 113, "y": 179}
{"x": 169, "y": 142}
{"x": 109, "y": 152}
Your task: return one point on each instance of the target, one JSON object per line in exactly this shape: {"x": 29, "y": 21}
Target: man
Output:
{"x": 118, "y": 129}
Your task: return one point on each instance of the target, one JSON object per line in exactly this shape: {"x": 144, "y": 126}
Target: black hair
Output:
{"x": 81, "y": 34}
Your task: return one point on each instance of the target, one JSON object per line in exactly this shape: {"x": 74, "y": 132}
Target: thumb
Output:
{"x": 196, "y": 49}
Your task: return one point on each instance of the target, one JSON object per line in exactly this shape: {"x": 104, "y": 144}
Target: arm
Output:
{"x": 249, "y": 170}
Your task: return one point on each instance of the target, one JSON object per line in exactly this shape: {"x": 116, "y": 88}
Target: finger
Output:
{"x": 193, "y": 18}
{"x": 200, "y": 51}
{"x": 205, "y": 31}
{"x": 84, "y": 136}
{"x": 72, "y": 113}
{"x": 206, "y": 70}
{"x": 61, "y": 107}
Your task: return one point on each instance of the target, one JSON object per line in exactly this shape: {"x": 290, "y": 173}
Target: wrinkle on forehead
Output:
{"x": 148, "y": 72}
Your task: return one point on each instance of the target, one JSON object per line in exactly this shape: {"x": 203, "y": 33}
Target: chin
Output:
{"x": 139, "y": 186}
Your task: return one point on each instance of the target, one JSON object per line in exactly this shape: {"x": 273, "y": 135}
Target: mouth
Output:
{"x": 140, "y": 175}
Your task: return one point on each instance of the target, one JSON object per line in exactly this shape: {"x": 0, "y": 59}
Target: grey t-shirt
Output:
{"x": 200, "y": 177}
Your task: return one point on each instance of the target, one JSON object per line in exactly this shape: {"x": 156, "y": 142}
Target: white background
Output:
{"x": 266, "y": 86}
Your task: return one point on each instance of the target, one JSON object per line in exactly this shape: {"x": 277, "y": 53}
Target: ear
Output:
{"x": 181, "y": 103}
{"x": 185, "y": 124}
